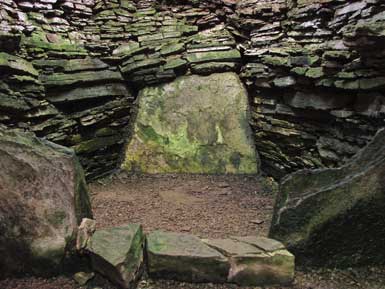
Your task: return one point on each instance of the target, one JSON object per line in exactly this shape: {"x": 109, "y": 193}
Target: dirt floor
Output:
{"x": 207, "y": 206}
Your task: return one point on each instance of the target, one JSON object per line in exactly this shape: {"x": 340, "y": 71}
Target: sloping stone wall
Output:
{"x": 316, "y": 77}
{"x": 70, "y": 70}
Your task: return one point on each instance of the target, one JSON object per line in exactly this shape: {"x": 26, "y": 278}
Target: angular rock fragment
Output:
{"x": 85, "y": 231}
{"x": 117, "y": 253}
{"x": 97, "y": 91}
{"x": 83, "y": 277}
{"x": 61, "y": 79}
{"x": 184, "y": 257}
{"x": 220, "y": 56}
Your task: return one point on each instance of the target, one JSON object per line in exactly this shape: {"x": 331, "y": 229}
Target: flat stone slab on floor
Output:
{"x": 117, "y": 253}
{"x": 256, "y": 261}
{"x": 249, "y": 261}
{"x": 263, "y": 243}
{"x": 184, "y": 257}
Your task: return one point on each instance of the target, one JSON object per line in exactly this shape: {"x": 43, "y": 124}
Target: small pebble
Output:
{"x": 83, "y": 277}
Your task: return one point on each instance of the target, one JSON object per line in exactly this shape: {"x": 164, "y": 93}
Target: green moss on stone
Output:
{"x": 194, "y": 125}
{"x": 315, "y": 72}
{"x": 38, "y": 40}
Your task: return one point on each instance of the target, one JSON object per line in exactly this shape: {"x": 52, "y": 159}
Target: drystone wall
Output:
{"x": 314, "y": 69}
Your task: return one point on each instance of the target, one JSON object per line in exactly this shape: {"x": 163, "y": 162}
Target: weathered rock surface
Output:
{"x": 184, "y": 257}
{"x": 309, "y": 65}
{"x": 43, "y": 198}
{"x": 196, "y": 124}
{"x": 256, "y": 261}
{"x": 248, "y": 261}
{"x": 117, "y": 253}
{"x": 336, "y": 216}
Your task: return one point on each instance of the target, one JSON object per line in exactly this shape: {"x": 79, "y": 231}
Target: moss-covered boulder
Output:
{"x": 184, "y": 257}
{"x": 43, "y": 198}
{"x": 117, "y": 253}
{"x": 336, "y": 216}
{"x": 196, "y": 124}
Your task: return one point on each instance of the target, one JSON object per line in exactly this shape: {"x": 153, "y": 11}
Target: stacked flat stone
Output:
{"x": 22, "y": 93}
{"x": 317, "y": 69}
{"x": 319, "y": 61}
{"x": 75, "y": 48}
{"x": 97, "y": 105}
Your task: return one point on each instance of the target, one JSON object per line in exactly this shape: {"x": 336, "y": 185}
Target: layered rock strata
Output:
{"x": 313, "y": 69}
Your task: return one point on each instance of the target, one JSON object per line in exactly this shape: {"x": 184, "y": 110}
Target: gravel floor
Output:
{"x": 208, "y": 206}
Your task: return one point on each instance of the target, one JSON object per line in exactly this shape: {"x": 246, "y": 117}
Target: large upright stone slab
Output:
{"x": 336, "y": 216}
{"x": 196, "y": 124}
{"x": 43, "y": 197}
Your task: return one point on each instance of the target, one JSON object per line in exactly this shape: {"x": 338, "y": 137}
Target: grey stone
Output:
{"x": 117, "y": 253}
{"x": 184, "y": 257}
{"x": 43, "y": 199}
{"x": 82, "y": 278}
{"x": 108, "y": 90}
{"x": 314, "y": 100}
{"x": 253, "y": 266}
{"x": 334, "y": 216}
{"x": 284, "y": 81}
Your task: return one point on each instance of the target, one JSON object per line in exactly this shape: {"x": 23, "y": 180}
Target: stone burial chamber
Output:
{"x": 294, "y": 89}
{"x": 46, "y": 229}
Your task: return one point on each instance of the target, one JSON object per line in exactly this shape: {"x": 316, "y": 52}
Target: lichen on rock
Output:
{"x": 195, "y": 124}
